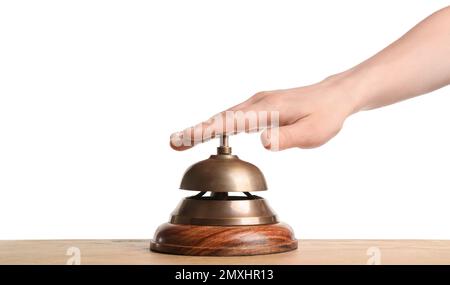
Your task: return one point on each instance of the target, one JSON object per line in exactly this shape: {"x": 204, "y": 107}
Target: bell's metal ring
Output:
{"x": 232, "y": 211}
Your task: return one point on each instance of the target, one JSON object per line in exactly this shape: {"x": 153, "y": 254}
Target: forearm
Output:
{"x": 417, "y": 63}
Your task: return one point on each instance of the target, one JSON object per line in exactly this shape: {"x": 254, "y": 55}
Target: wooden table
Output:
{"x": 309, "y": 252}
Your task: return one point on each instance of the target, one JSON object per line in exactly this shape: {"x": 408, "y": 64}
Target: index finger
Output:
{"x": 225, "y": 123}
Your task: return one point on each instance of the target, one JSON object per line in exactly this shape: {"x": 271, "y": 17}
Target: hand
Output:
{"x": 308, "y": 116}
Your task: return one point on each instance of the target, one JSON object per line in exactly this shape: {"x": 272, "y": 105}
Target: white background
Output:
{"x": 91, "y": 90}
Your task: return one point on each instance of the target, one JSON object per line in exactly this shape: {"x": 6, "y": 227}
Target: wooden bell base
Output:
{"x": 223, "y": 240}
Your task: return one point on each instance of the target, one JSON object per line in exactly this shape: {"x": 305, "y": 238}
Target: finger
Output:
{"x": 178, "y": 140}
{"x": 227, "y": 122}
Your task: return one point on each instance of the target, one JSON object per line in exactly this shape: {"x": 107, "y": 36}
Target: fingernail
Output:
{"x": 176, "y": 139}
{"x": 265, "y": 139}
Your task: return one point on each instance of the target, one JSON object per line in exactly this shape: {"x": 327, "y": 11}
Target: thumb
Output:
{"x": 305, "y": 133}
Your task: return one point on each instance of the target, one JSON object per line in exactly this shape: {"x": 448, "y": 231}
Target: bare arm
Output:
{"x": 415, "y": 64}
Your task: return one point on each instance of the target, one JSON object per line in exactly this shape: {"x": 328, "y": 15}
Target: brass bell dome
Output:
{"x": 223, "y": 172}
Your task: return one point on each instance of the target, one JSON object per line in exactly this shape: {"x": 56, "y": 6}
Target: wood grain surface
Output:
{"x": 309, "y": 252}
{"x": 223, "y": 241}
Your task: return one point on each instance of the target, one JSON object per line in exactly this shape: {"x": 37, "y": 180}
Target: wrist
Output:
{"x": 353, "y": 92}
